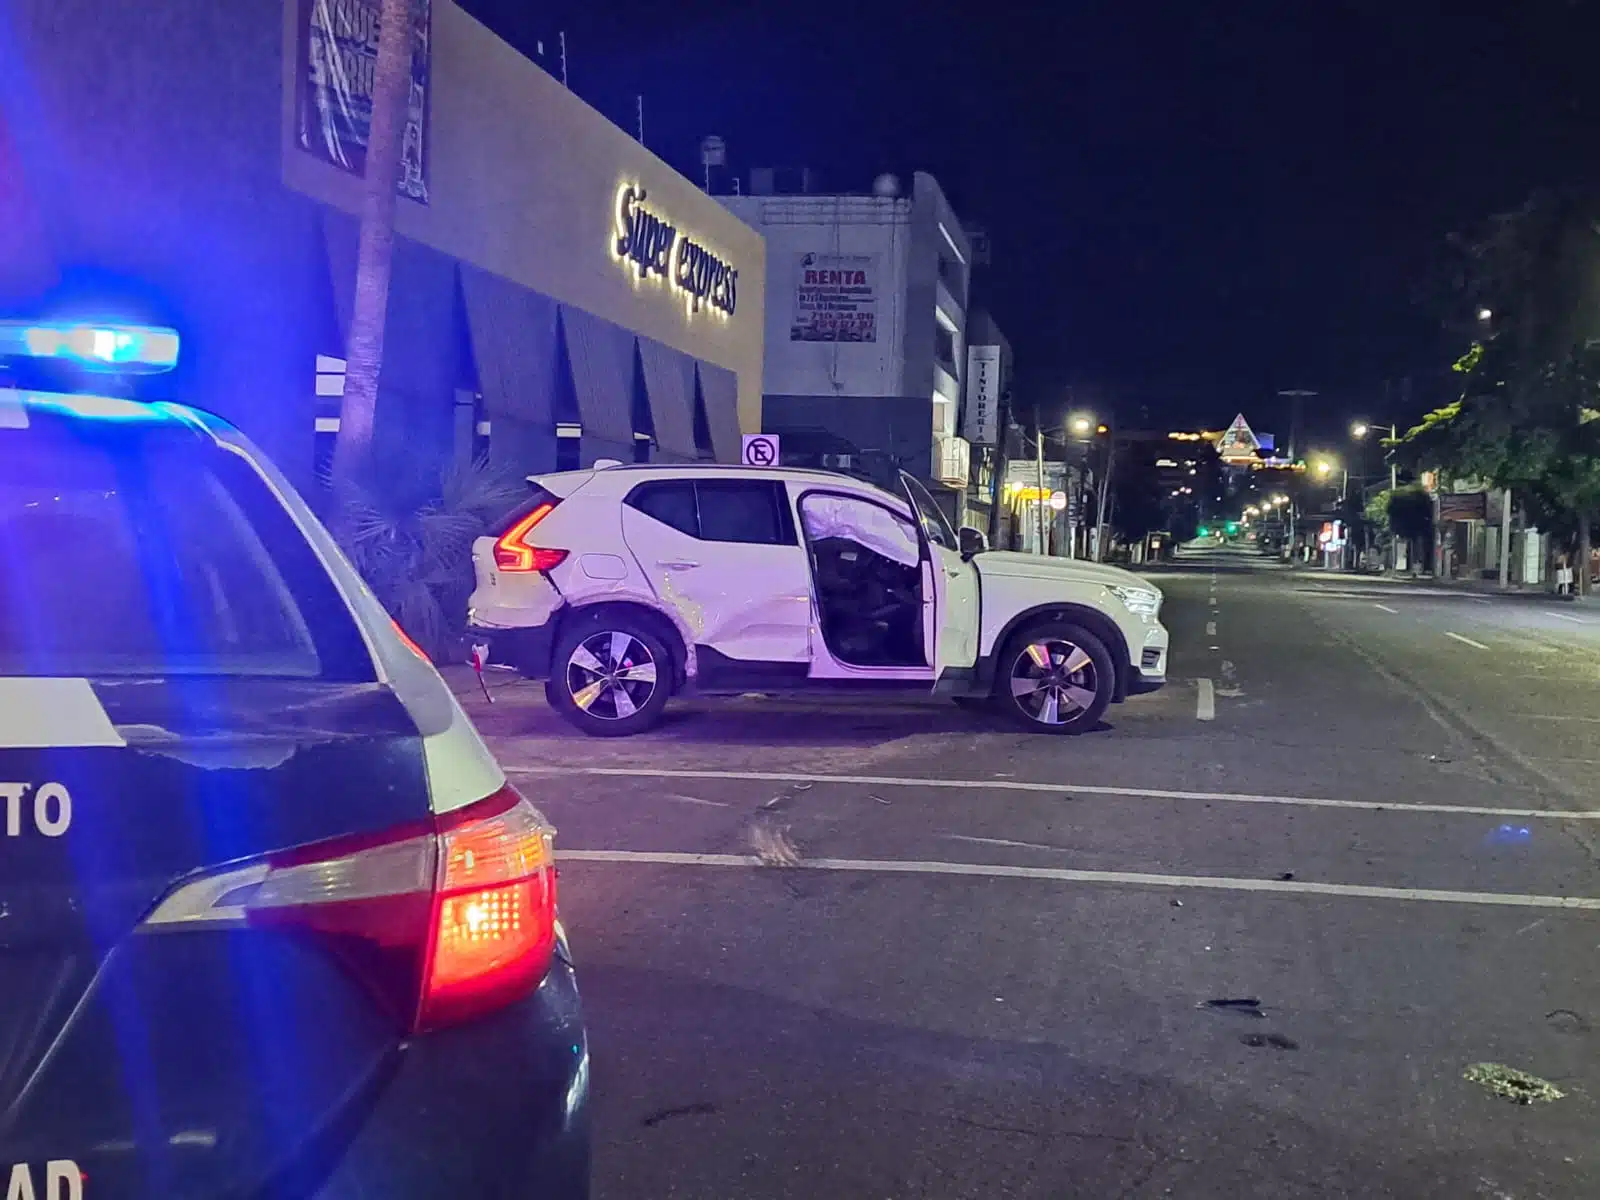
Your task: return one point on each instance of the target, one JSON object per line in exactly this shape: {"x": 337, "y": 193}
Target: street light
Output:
{"x": 1081, "y": 425}
{"x": 1486, "y": 314}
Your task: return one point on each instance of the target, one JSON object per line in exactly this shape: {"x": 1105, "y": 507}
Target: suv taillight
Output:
{"x": 513, "y": 552}
{"x": 444, "y": 920}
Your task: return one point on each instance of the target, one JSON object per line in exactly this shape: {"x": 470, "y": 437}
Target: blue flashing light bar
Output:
{"x": 123, "y": 349}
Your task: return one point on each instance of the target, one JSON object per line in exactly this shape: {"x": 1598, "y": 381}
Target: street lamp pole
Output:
{"x": 1038, "y": 452}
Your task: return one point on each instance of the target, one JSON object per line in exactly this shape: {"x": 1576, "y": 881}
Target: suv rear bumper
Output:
{"x": 527, "y": 647}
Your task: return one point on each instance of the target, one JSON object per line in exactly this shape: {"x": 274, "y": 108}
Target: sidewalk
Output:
{"x": 1482, "y": 587}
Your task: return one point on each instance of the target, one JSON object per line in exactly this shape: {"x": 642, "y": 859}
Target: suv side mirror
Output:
{"x": 973, "y": 541}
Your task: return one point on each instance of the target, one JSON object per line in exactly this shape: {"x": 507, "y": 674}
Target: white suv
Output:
{"x": 622, "y": 585}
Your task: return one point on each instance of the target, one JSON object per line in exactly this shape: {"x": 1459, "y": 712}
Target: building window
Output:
{"x": 944, "y": 347}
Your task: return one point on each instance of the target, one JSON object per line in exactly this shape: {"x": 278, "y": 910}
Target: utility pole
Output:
{"x": 1003, "y": 429}
{"x": 1038, "y": 452}
{"x": 1105, "y": 493}
{"x": 1505, "y": 538}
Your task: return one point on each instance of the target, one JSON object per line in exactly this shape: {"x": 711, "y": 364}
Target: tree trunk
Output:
{"x": 1585, "y": 552}
{"x": 391, "y": 91}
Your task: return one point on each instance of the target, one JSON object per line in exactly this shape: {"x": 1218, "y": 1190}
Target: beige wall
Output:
{"x": 523, "y": 179}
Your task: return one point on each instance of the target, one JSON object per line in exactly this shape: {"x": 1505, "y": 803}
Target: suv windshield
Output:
{"x": 140, "y": 555}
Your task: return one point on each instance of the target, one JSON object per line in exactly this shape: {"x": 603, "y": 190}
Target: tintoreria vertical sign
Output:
{"x": 983, "y": 395}
{"x": 338, "y": 62}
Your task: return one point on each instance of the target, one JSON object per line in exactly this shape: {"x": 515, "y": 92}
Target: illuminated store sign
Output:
{"x": 655, "y": 247}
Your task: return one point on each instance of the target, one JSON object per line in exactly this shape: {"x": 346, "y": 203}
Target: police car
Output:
{"x": 272, "y": 920}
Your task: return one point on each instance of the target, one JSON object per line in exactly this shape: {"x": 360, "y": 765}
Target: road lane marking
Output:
{"x": 1554, "y": 717}
{"x": 1386, "y": 608}
{"x": 1069, "y": 875}
{"x": 1211, "y": 629}
{"x": 1567, "y": 617}
{"x": 1017, "y": 785}
{"x": 1205, "y": 704}
{"x": 1465, "y": 640}
{"x": 983, "y": 841}
{"x": 1213, "y": 602}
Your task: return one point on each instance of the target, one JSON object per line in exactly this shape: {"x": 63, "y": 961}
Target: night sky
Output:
{"x": 1189, "y": 210}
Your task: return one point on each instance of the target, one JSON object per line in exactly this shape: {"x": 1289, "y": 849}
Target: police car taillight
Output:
{"x": 444, "y": 920}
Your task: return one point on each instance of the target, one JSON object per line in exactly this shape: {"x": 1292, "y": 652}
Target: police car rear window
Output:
{"x": 159, "y": 557}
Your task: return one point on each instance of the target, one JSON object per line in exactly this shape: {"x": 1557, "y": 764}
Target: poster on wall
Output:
{"x": 835, "y": 298}
{"x": 338, "y": 61}
{"x": 983, "y": 395}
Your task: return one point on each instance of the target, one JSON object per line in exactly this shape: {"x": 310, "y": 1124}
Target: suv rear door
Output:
{"x": 724, "y": 554}
{"x": 184, "y": 690}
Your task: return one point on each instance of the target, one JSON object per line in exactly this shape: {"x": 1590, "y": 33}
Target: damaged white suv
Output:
{"x": 623, "y": 585}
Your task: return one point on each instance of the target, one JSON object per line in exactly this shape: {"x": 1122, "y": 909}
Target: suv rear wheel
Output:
{"x": 1056, "y": 678}
{"x": 610, "y": 676}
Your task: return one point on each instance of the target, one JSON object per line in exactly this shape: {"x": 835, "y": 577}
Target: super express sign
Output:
{"x": 653, "y": 245}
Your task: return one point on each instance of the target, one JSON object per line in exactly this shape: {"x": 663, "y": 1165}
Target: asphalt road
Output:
{"x": 908, "y": 952}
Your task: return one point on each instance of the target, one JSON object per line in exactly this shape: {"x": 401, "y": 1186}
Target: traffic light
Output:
{"x": 1205, "y": 531}
{"x": 1233, "y": 527}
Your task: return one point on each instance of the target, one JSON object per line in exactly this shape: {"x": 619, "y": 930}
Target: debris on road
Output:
{"x": 802, "y": 787}
{"x": 881, "y": 800}
{"x": 1564, "y": 1020}
{"x": 1286, "y": 876}
{"x": 1248, "y": 1005}
{"x": 701, "y": 1108}
{"x": 1177, "y": 903}
{"x": 1508, "y": 1083}
{"x": 775, "y": 803}
{"x": 1276, "y": 1040}
{"x": 773, "y": 847}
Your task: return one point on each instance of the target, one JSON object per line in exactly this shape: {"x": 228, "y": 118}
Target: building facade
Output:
{"x": 866, "y": 326}
{"x": 559, "y": 294}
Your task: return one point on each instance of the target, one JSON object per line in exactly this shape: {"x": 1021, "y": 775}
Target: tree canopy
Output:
{"x": 1528, "y": 417}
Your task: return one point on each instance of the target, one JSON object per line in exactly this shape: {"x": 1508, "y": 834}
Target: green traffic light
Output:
{"x": 1204, "y": 531}
{"x": 1233, "y": 527}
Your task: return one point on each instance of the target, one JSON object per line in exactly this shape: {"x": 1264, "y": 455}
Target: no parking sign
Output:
{"x": 761, "y": 450}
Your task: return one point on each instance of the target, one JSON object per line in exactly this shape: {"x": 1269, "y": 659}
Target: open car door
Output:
{"x": 949, "y": 586}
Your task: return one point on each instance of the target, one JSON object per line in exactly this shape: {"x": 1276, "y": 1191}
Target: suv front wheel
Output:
{"x": 610, "y": 676}
{"x": 1056, "y": 678}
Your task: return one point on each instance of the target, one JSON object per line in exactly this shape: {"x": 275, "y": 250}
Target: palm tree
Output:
{"x": 364, "y": 354}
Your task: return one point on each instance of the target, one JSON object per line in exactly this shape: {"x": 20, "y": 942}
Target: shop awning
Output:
{"x": 522, "y": 448}
{"x": 719, "y": 387}
{"x": 602, "y": 375}
{"x": 514, "y": 342}
{"x": 669, "y": 380}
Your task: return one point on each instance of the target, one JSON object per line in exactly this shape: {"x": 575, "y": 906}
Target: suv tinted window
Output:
{"x": 670, "y": 501}
{"x": 155, "y": 556}
{"x": 744, "y": 510}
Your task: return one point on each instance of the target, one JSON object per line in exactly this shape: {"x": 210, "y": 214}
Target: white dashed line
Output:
{"x": 1059, "y": 789}
{"x": 1466, "y": 641}
{"x": 1290, "y": 887}
{"x": 1386, "y": 608}
{"x": 1205, "y": 705}
{"x": 1211, "y": 629}
{"x": 1213, "y": 602}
